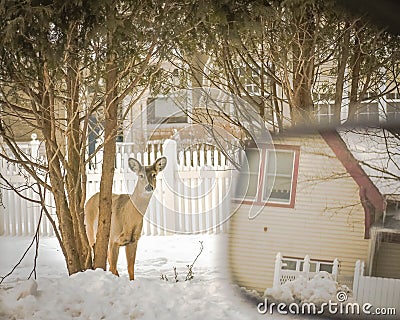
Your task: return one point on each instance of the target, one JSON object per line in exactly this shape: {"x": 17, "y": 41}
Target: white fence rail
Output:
{"x": 192, "y": 194}
{"x": 379, "y": 292}
{"x": 281, "y": 275}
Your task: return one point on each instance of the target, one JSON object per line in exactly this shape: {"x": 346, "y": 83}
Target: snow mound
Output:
{"x": 321, "y": 288}
{"x": 28, "y": 288}
{"x": 96, "y": 294}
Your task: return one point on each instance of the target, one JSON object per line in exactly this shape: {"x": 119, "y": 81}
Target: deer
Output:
{"x": 126, "y": 216}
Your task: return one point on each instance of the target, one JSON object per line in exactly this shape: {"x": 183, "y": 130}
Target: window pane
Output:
{"x": 326, "y": 267}
{"x": 313, "y": 266}
{"x": 253, "y": 158}
{"x": 393, "y": 112}
{"x": 247, "y": 185}
{"x": 368, "y": 113}
{"x": 271, "y": 162}
{"x": 248, "y": 179}
{"x": 278, "y": 185}
{"x": 253, "y": 183}
{"x": 284, "y": 163}
{"x": 282, "y": 160}
{"x": 241, "y": 186}
{"x": 289, "y": 264}
{"x": 281, "y": 188}
{"x": 165, "y": 110}
{"x": 324, "y": 109}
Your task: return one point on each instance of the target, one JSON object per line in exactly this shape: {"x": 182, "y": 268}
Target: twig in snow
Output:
{"x": 176, "y": 275}
{"x": 163, "y": 277}
{"x": 36, "y": 238}
{"x": 189, "y": 275}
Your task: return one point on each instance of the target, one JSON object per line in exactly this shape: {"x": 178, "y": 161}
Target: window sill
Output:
{"x": 267, "y": 204}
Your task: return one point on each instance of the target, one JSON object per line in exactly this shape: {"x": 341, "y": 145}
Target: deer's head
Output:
{"x": 147, "y": 174}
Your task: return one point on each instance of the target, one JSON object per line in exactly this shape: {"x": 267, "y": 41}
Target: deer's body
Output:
{"x": 126, "y": 216}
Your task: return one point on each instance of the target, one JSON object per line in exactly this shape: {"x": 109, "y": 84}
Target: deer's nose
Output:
{"x": 149, "y": 188}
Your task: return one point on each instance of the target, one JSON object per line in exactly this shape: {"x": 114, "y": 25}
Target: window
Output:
{"x": 250, "y": 78}
{"x": 325, "y": 110}
{"x": 249, "y": 191}
{"x": 165, "y": 109}
{"x": 393, "y": 111}
{"x": 271, "y": 176}
{"x": 392, "y": 107}
{"x": 368, "y": 113}
{"x": 393, "y": 96}
{"x": 297, "y": 264}
{"x": 326, "y": 113}
{"x": 278, "y": 176}
{"x": 291, "y": 264}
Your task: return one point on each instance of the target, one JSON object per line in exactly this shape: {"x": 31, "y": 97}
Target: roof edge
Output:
{"x": 368, "y": 190}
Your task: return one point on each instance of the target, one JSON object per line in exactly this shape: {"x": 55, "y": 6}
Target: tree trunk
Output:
{"x": 110, "y": 131}
{"x": 275, "y": 102}
{"x": 341, "y": 70}
{"x": 75, "y": 163}
{"x": 53, "y": 153}
{"x": 303, "y": 67}
{"x": 355, "y": 75}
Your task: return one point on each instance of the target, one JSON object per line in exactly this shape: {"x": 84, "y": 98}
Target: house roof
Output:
{"x": 364, "y": 155}
{"x": 371, "y": 197}
{"x": 378, "y": 153}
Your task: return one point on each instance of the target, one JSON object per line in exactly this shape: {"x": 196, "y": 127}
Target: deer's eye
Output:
{"x": 141, "y": 176}
{"x": 153, "y": 175}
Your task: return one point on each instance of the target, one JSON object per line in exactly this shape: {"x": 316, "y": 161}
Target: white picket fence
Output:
{"x": 379, "y": 292}
{"x": 281, "y": 275}
{"x": 192, "y": 194}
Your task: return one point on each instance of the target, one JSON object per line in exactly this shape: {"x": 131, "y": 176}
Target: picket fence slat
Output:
{"x": 379, "y": 292}
{"x": 281, "y": 275}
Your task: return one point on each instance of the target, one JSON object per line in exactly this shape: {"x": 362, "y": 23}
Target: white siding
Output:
{"x": 326, "y": 222}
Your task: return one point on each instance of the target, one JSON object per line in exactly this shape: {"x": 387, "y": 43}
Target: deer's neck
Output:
{"x": 141, "y": 199}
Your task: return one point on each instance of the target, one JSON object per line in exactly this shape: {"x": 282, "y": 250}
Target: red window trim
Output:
{"x": 292, "y": 202}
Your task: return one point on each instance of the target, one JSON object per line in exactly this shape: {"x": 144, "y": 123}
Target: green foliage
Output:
{"x": 63, "y": 61}
{"x": 294, "y": 45}
{"x": 34, "y": 33}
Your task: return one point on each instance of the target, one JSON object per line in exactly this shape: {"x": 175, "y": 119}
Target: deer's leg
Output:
{"x": 124, "y": 238}
{"x": 130, "y": 251}
{"x": 113, "y": 251}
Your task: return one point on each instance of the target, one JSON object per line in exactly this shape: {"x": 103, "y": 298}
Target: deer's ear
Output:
{"x": 134, "y": 165}
{"x": 160, "y": 164}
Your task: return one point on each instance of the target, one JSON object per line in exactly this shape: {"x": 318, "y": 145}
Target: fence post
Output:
{"x": 169, "y": 184}
{"x": 335, "y": 269}
{"x": 277, "y": 272}
{"x": 356, "y": 280}
{"x": 2, "y": 215}
{"x": 306, "y": 266}
{"x": 34, "y": 147}
{"x": 2, "y": 198}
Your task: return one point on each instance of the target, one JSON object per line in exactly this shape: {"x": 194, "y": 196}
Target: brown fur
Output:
{"x": 126, "y": 216}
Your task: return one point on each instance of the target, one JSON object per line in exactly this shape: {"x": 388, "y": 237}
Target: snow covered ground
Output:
{"x": 100, "y": 295}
